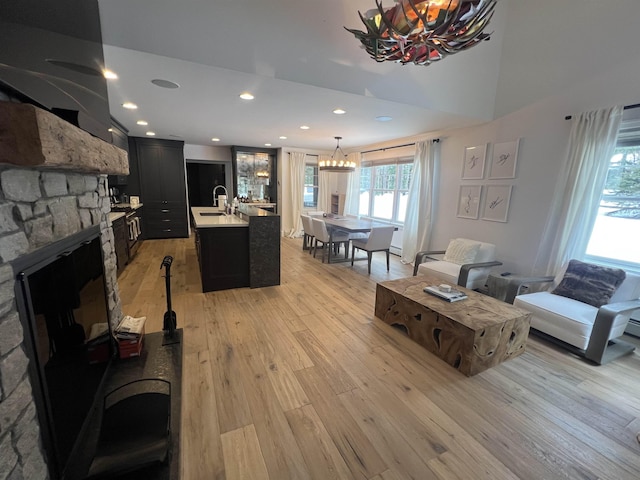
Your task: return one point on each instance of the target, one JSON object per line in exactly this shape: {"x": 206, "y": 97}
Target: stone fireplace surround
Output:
{"x": 53, "y": 183}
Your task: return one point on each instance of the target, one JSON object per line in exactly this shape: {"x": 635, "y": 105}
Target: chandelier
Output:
{"x": 422, "y": 32}
{"x": 337, "y": 163}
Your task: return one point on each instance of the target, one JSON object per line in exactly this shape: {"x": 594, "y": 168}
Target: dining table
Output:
{"x": 349, "y": 224}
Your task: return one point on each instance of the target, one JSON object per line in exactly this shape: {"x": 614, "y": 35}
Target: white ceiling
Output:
{"x": 298, "y": 61}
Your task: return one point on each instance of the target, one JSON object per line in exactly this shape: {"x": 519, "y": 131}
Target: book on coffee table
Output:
{"x": 452, "y": 296}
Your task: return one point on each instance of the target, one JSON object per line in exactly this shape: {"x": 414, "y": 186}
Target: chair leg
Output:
{"x": 346, "y": 249}
{"x": 315, "y": 247}
{"x": 353, "y": 253}
{"x": 387, "y": 251}
{"x": 369, "y": 255}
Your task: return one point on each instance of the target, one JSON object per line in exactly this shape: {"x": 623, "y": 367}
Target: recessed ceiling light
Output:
{"x": 304, "y": 127}
{"x": 282, "y": 137}
{"x": 130, "y": 105}
{"x": 339, "y": 111}
{"x": 384, "y": 118}
{"x": 142, "y": 122}
{"x": 267, "y": 144}
{"x": 151, "y": 134}
{"x": 109, "y": 129}
{"x": 246, "y": 96}
{"x": 164, "y": 83}
{"x": 215, "y": 139}
{"x": 108, "y": 74}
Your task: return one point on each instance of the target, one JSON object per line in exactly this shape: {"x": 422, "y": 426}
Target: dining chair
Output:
{"x": 379, "y": 241}
{"x": 322, "y": 235}
{"x": 307, "y": 239}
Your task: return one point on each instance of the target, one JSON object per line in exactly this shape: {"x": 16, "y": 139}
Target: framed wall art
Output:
{"x": 504, "y": 159}
{"x": 474, "y": 160}
{"x": 496, "y": 203}
{"x": 469, "y": 201}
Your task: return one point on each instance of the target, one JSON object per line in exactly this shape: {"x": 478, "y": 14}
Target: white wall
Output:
{"x": 207, "y": 152}
{"x": 544, "y": 133}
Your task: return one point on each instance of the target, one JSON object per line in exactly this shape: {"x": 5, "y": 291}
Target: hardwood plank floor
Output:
{"x": 300, "y": 381}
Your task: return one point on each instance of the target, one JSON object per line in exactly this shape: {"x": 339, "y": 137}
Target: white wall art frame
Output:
{"x": 496, "y": 203}
{"x": 469, "y": 201}
{"x": 504, "y": 160}
{"x": 474, "y": 161}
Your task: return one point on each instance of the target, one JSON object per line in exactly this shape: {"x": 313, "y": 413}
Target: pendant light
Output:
{"x": 338, "y": 162}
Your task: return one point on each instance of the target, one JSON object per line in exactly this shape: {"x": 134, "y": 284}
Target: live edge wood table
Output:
{"x": 471, "y": 335}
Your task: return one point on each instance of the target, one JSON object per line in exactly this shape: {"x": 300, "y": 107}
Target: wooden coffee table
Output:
{"x": 471, "y": 335}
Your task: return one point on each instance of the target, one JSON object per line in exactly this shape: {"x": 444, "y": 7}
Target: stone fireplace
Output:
{"x": 53, "y": 184}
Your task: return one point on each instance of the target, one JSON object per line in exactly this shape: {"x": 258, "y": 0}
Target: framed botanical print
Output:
{"x": 469, "y": 201}
{"x": 504, "y": 159}
{"x": 496, "y": 203}
{"x": 474, "y": 160}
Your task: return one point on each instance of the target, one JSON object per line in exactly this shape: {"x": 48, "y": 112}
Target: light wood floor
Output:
{"x": 300, "y": 381}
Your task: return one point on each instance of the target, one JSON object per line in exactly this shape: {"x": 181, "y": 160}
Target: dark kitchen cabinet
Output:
{"x": 121, "y": 237}
{"x": 161, "y": 170}
{"x": 223, "y": 257}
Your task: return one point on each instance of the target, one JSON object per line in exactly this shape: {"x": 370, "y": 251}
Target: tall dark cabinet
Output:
{"x": 160, "y": 165}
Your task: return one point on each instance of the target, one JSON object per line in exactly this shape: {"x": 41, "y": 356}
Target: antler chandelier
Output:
{"x": 423, "y": 32}
{"x": 337, "y": 164}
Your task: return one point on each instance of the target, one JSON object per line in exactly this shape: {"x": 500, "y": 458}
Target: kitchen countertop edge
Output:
{"x": 215, "y": 221}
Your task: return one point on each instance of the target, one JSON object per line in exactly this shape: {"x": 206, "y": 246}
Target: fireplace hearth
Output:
{"x": 53, "y": 186}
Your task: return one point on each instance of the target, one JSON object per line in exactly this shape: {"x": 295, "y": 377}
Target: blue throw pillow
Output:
{"x": 588, "y": 283}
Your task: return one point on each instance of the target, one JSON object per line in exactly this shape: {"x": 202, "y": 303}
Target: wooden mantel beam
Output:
{"x": 32, "y": 137}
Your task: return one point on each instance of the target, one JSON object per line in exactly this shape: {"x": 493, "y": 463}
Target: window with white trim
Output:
{"x": 310, "y": 186}
{"x": 614, "y": 239}
{"x": 384, "y": 189}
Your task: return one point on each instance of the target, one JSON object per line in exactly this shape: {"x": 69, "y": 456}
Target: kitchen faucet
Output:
{"x": 215, "y": 200}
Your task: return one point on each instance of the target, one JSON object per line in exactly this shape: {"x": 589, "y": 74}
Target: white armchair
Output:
{"x": 588, "y": 324}
{"x": 466, "y": 263}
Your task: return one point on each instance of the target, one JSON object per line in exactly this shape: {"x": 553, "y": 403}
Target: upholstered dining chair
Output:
{"x": 379, "y": 240}
{"x": 586, "y": 309}
{"x": 307, "y": 239}
{"x": 322, "y": 235}
{"x": 466, "y": 263}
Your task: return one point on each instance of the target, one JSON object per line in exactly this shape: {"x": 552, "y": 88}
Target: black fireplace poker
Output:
{"x": 170, "y": 319}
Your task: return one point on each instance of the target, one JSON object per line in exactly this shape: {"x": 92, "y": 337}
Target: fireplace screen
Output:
{"x": 69, "y": 340}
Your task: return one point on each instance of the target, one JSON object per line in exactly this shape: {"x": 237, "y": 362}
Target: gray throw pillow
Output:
{"x": 588, "y": 283}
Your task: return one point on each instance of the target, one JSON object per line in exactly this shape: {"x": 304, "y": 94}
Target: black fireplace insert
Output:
{"x": 62, "y": 300}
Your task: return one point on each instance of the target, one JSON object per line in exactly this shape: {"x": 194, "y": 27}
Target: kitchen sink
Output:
{"x": 212, "y": 214}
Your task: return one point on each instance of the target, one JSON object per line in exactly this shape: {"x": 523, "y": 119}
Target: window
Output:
{"x": 311, "y": 185}
{"x": 384, "y": 189}
{"x": 614, "y": 238}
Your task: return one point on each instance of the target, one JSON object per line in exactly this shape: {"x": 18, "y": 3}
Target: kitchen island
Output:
{"x": 240, "y": 250}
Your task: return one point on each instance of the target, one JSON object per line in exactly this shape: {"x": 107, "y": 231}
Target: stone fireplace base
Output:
{"x": 53, "y": 183}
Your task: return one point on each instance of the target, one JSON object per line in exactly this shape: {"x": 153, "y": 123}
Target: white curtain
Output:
{"x": 296, "y": 192}
{"x": 579, "y": 187}
{"x": 324, "y": 187}
{"x": 420, "y": 203}
{"x": 352, "y": 198}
